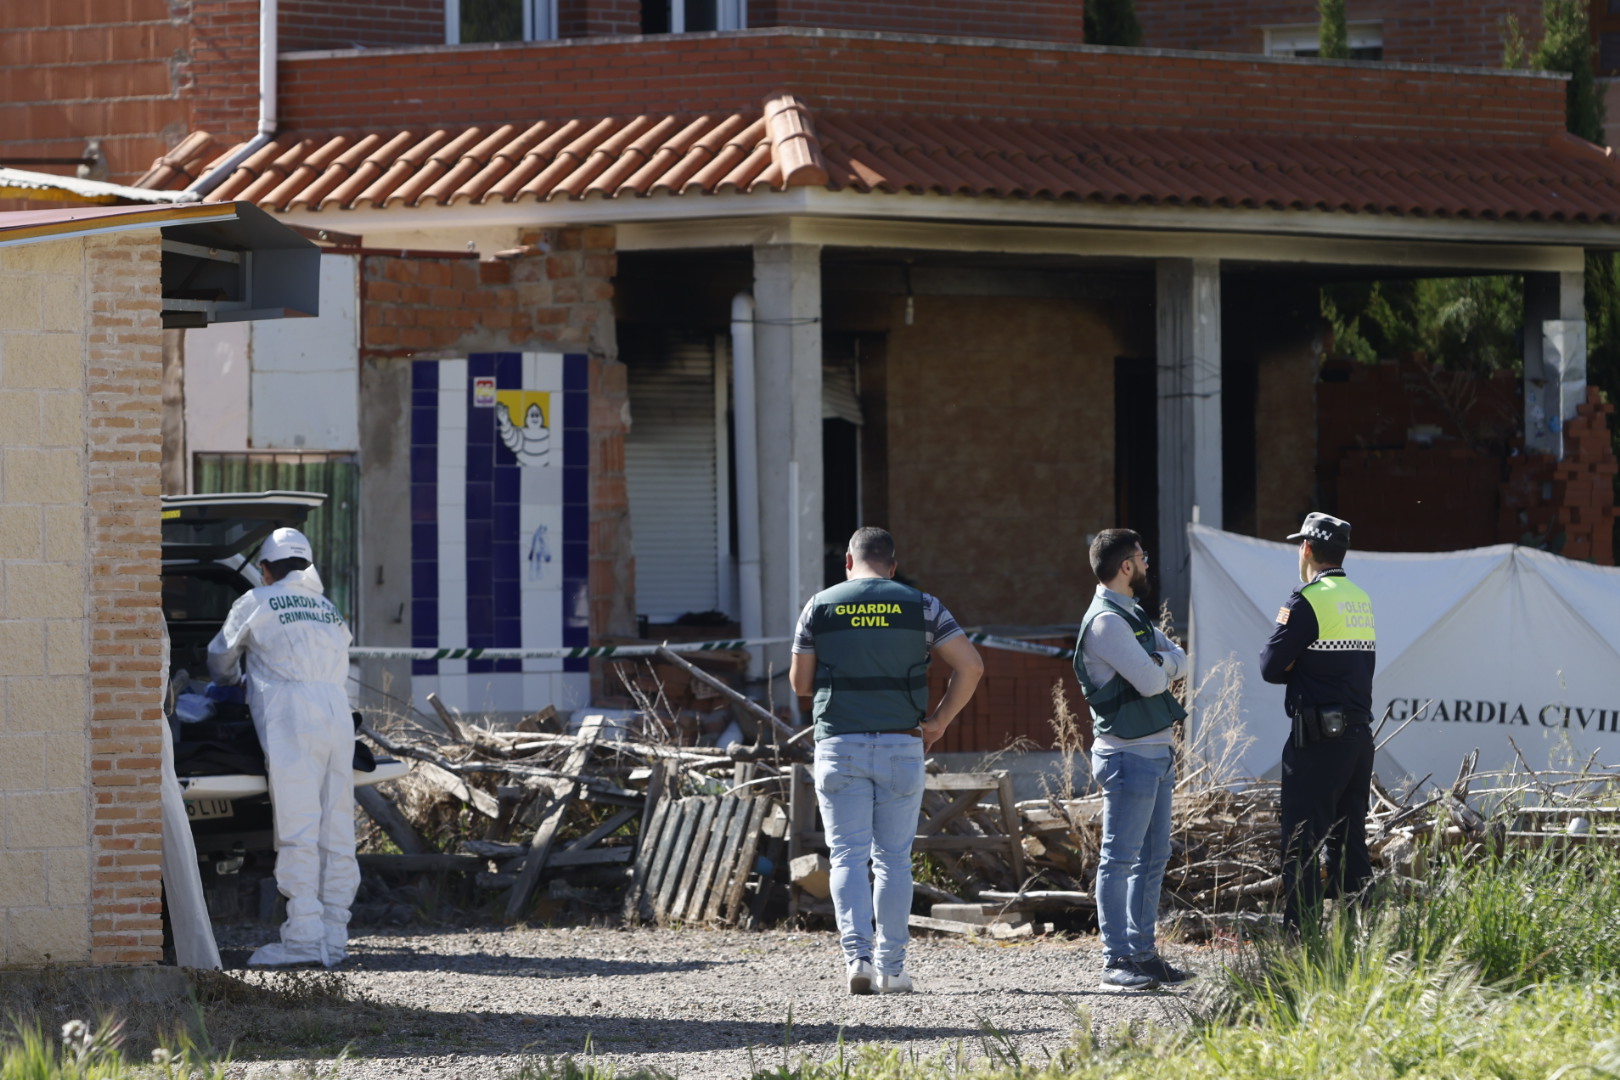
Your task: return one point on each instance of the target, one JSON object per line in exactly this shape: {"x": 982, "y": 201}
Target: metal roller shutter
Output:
{"x": 669, "y": 460}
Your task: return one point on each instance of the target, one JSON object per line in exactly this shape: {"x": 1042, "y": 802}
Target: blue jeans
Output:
{"x": 870, "y": 788}
{"x": 1136, "y": 786}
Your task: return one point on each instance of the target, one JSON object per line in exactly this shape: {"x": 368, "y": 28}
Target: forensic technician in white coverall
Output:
{"x": 297, "y": 649}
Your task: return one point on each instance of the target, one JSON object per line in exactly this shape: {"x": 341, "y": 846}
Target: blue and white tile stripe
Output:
{"x": 500, "y": 545}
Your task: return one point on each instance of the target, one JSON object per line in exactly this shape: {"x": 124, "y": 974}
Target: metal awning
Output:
{"x": 222, "y": 262}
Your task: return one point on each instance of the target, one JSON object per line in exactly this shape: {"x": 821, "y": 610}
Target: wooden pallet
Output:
{"x": 695, "y": 858}
{"x": 940, "y": 828}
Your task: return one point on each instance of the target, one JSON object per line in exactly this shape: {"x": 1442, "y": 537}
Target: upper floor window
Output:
{"x": 469, "y": 21}
{"x": 1366, "y": 40}
{"x": 689, "y": 16}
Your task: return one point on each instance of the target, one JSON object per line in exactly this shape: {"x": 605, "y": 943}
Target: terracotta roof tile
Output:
{"x": 784, "y": 145}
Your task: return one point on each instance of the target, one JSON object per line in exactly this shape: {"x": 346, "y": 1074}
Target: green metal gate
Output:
{"x": 331, "y": 528}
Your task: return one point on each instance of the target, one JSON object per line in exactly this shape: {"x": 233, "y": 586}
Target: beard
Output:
{"x": 1139, "y": 583}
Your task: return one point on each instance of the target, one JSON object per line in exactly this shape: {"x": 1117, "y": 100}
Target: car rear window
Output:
{"x": 192, "y": 598}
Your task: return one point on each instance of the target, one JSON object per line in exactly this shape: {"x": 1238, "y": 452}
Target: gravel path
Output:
{"x": 706, "y": 1004}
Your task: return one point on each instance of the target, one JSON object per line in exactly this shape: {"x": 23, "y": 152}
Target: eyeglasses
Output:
{"x": 1140, "y": 555}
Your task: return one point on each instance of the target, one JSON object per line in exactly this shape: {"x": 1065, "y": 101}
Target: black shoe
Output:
{"x": 1123, "y": 973}
{"x": 1164, "y": 973}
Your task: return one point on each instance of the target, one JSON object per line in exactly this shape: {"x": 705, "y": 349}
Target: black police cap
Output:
{"x": 1324, "y": 527}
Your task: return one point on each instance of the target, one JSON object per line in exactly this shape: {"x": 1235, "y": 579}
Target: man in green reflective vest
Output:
{"x": 1323, "y": 648}
{"x": 1126, "y": 666}
{"x": 862, "y": 649}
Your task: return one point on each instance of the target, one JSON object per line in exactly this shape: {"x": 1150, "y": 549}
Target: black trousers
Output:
{"x": 1325, "y": 789}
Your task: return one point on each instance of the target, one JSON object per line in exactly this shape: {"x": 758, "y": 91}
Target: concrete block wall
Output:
{"x": 80, "y": 622}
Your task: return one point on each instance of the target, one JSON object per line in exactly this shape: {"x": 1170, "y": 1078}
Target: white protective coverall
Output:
{"x": 297, "y": 665}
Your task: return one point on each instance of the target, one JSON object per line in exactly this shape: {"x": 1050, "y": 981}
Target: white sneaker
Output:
{"x": 895, "y": 984}
{"x": 279, "y": 954}
{"x": 861, "y": 977}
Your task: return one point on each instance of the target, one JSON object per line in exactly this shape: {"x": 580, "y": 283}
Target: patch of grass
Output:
{"x": 96, "y": 1053}
{"x": 1523, "y": 918}
{"x": 214, "y": 1014}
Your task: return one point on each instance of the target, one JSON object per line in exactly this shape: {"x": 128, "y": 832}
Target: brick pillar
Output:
{"x": 613, "y": 567}
{"x": 124, "y": 381}
{"x": 80, "y": 622}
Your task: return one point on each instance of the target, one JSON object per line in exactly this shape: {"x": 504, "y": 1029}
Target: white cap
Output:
{"x": 286, "y": 544}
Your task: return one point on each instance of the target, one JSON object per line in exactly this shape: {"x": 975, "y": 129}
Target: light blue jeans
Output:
{"x": 870, "y": 788}
{"x": 1136, "y": 786}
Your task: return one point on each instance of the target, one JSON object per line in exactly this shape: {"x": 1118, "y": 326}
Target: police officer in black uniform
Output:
{"x": 1323, "y": 648}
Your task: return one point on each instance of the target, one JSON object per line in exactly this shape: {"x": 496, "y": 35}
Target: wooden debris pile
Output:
{"x": 635, "y": 816}
{"x": 644, "y": 822}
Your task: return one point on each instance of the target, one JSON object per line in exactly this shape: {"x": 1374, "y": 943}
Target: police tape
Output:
{"x": 592, "y": 652}
{"x": 995, "y": 641}
{"x": 578, "y": 652}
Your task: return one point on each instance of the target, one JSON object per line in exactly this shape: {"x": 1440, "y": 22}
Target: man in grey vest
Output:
{"x": 861, "y": 649}
{"x": 1126, "y": 666}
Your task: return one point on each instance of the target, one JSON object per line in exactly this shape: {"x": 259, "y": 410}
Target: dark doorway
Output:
{"x": 841, "y": 493}
{"x": 1136, "y": 451}
{"x": 1240, "y": 389}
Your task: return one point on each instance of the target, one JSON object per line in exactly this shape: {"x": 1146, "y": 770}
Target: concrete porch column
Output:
{"x": 1554, "y": 356}
{"x": 787, "y": 347}
{"x": 1189, "y": 357}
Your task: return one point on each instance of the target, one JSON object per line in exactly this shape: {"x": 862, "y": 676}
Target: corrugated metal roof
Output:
{"x": 32, "y": 226}
{"x": 783, "y": 146}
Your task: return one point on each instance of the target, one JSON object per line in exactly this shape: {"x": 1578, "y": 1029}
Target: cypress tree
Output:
{"x": 1112, "y": 22}
{"x": 1334, "y": 36}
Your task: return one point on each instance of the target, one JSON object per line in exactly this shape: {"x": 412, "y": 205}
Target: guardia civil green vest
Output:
{"x": 871, "y": 658}
{"x": 1344, "y": 614}
{"x": 1117, "y": 708}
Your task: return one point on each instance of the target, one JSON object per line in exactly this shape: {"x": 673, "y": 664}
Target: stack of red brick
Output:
{"x": 1569, "y": 505}
{"x": 1013, "y": 701}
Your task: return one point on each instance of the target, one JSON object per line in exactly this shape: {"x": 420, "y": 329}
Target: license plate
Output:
{"x": 209, "y": 808}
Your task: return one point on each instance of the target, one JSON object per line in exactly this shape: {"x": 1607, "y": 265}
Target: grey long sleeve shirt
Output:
{"x": 1110, "y": 651}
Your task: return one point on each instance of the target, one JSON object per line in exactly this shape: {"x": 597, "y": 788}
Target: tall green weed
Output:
{"x": 1523, "y": 918}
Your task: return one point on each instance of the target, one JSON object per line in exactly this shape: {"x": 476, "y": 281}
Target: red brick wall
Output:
{"x": 1035, "y": 20}
{"x": 595, "y": 18}
{"x": 223, "y": 73}
{"x": 841, "y": 71}
{"x": 324, "y": 24}
{"x": 70, "y": 72}
{"x": 123, "y": 381}
{"x": 1453, "y": 493}
{"x": 1414, "y": 31}
{"x": 558, "y": 296}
